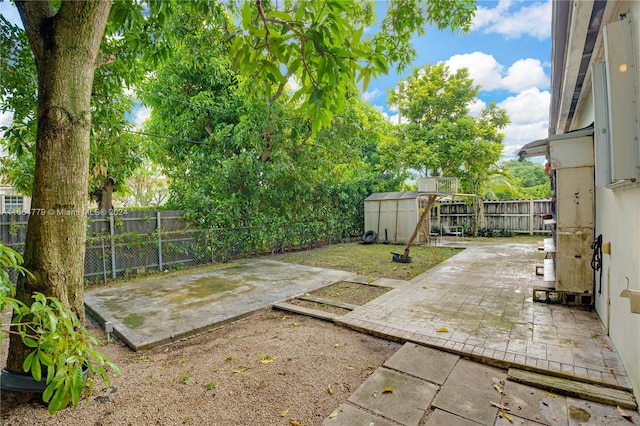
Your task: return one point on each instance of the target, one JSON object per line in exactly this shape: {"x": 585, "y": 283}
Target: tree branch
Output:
{"x": 33, "y": 14}
{"x": 303, "y": 38}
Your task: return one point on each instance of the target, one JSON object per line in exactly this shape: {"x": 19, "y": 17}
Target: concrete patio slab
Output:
{"x": 439, "y": 418}
{"x": 468, "y": 402}
{"x": 582, "y": 412}
{"x": 148, "y": 314}
{"x": 478, "y": 375}
{"x": 406, "y": 403}
{"x": 426, "y": 363}
{"x": 535, "y": 405}
{"x": 483, "y": 298}
{"x": 353, "y": 416}
{"x": 389, "y": 282}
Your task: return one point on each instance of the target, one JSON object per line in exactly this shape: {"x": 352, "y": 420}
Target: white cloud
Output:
{"x": 372, "y": 95}
{"x": 527, "y": 106}
{"x": 483, "y": 69}
{"x": 141, "y": 116}
{"x": 524, "y": 74}
{"x": 475, "y": 108}
{"x": 529, "y": 113}
{"x": 6, "y": 118}
{"x": 487, "y": 72}
{"x": 511, "y": 20}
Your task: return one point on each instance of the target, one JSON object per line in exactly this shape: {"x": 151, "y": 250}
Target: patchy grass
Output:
{"x": 371, "y": 259}
{"x": 518, "y": 238}
{"x": 355, "y": 294}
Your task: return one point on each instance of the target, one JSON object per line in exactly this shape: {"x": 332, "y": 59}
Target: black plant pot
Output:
{"x": 14, "y": 382}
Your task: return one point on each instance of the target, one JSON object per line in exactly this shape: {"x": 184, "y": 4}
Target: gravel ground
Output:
{"x": 217, "y": 377}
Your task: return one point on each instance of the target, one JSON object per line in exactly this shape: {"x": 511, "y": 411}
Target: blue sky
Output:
{"x": 507, "y": 53}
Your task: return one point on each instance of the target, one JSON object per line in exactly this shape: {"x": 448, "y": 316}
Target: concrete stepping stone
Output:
{"x": 406, "y": 403}
{"x": 439, "y": 418}
{"x": 535, "y": 404}
{"x": 426, "y": 363}
{"x": 468, "y": 401}
{"x": 353, "y": 416}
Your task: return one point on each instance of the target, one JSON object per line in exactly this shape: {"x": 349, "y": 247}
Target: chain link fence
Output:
{"x": 113, "y": 255}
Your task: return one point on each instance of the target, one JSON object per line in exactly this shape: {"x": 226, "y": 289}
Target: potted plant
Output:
{"x": 64, "y": 360}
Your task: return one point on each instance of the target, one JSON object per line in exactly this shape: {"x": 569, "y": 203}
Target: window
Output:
{"x": 622, "y": 96}
{"x": 12, "y": 204}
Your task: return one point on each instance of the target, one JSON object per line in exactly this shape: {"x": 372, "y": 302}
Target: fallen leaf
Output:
{"x": 295, "y": 324}
{"x": 370, "y": 367}
{"x": 336, "y": 345}
{"x": 329, "y": 390}
{"x": 443, "y": 330}
{"x": 267, "y": 361}
{"x": 294, "y": 423}
{"x": 370, "y": 280}
{"x": 506, "y": 416}
{"x": 502, "y": 407}
{"x": 388, "y": 389}
{"x": 624, "y": 414}
{"x": 285, "y": 317}
{"x": 498, "y": 388}
{"x": 284, "y": 413}
{"x": 349, "y": 367}
{"x": 241, "y": 369}
{"x": 166, "y": 349}
{"x": 335, "y": 413}
{"x": 550, "y": 394}
{"x": 424, "y": 287}
{"x": 608, "y": 346}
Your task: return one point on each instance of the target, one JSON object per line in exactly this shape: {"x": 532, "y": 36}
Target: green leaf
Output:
{"x": 246, "y": 14}
{"x": 36, "y": 369}
{"x": 60, "y": 398}
{"x": 29, "y": 342}
{"x": 26, "y": 364}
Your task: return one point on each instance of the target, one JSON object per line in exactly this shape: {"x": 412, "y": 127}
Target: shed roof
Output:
{"x": 404, "y": 195}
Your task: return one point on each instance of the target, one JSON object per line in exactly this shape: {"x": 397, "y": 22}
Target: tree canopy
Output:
{"x": 318, "y": 45}
{"x": 240, "y": 159}
{"x": 440, "y": 137}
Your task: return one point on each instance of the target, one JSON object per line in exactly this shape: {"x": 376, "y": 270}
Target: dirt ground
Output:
{"x": 273, "y": 368}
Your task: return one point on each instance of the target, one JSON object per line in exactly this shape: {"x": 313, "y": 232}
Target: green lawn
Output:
{"x": 371, "y": 259}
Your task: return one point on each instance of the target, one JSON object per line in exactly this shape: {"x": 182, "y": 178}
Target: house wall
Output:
{"x": 617, "y": 213}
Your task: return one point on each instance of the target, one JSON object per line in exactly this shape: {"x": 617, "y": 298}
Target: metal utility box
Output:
{"x": 571, "y": 159}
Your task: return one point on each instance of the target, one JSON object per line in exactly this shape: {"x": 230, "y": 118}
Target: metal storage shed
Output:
{"x": 397, "y": 212}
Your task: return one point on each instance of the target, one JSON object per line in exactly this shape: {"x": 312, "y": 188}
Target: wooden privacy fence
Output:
{"x": 519, "y": 216}
{"x": 13, "y": 227}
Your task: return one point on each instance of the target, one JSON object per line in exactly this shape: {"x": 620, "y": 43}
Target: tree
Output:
{"x": 114, "y": 153}
{"x": 441, "y": 137}
{"x": 320, "y": 46}
{"x": 236, "y": 159}
{"x": 530, "y": 179}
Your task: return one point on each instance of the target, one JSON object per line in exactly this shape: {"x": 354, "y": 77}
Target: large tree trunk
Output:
{"x": 425, "y": 214}
{"x": 65, "y": 44}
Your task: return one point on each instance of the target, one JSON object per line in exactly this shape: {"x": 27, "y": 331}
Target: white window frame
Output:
{"x": 12, "y": 203}
{"x": 623, "y": 120}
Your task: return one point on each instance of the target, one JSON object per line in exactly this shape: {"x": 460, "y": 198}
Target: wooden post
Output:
{"x": 531, "y": 217}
